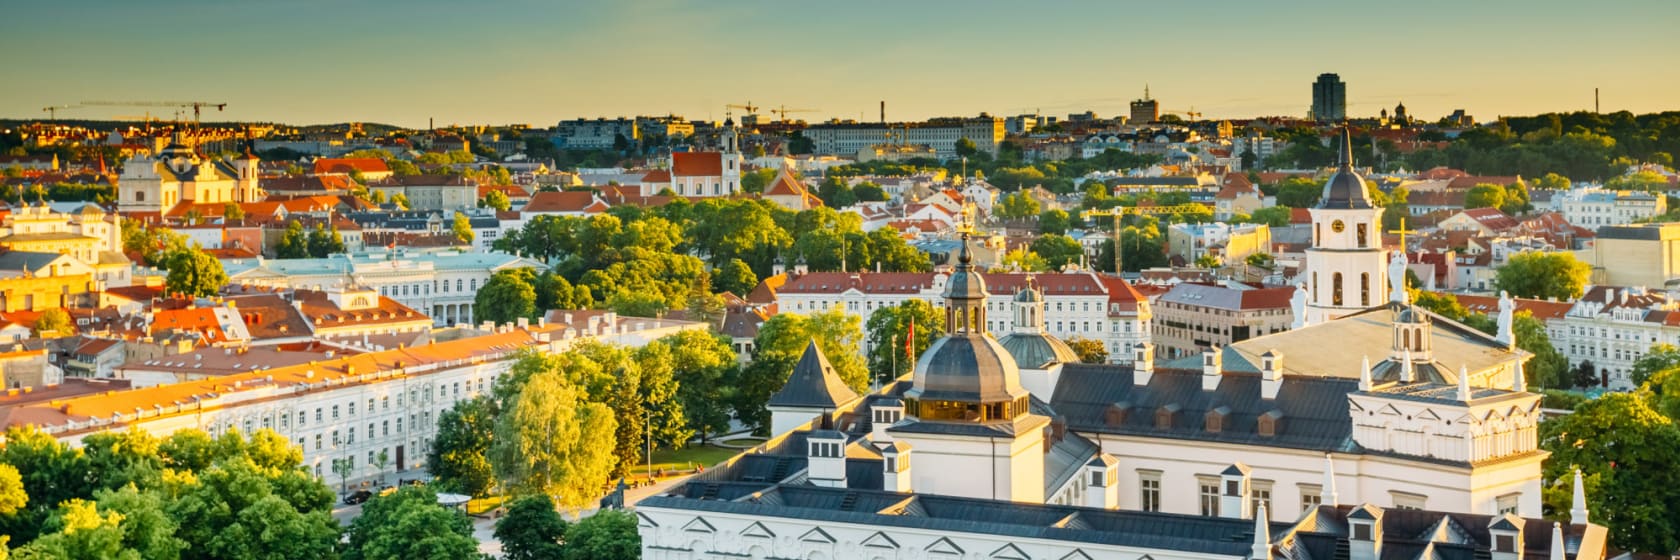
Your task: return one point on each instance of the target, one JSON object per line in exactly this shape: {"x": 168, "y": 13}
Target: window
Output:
{"x": 1363, "y": 243}
{"x": 370, "y": 406}
{"x": 1507, "y": 503}
{"x": 384, "y": 403}
{"x": 317, "y": 442}
{"x": 1336, "y": 288}
{"x": 1362, "y": 531}
{"x": 336, "y": 440}
{"x": 1364, "y": 285}
{"x": 1209, "y": 488}
{"x": 1311, "y": 496}
{"x": 1149, "y": 488}
{"x": 385, "y": 428}
{"x": 1505, "y": 543}
{"x": 335, "y": 412}
{"x": 1260, "y": 495}
{"x": 318, "y": 414}
{"x": 352, "y": 408}
{"x": 1405, "y": 500}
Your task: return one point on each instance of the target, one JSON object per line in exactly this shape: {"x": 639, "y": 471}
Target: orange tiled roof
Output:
{"x": 697, "y": 164}
{"x": 346, "y": 165}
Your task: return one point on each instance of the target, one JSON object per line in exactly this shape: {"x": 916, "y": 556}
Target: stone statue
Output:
{"x": 1298, "y": 306}
{"x": 1507, "y": 315}
{"x": 1397, "y": 278}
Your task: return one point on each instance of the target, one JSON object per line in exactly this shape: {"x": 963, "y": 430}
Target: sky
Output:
{"x": 536, "y": 62}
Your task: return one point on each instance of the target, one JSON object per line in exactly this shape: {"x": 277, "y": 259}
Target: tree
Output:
{"x": 891, "y": 341}
{"x": 152, "y": 243}
{"x": 1016, "y": 205}
{"x": 735, "y": 277}
{"x": 53, "y": 323}
{"x": 232, "y": 212}
{"x": 459, "y": 459}
{"x": 531, "y": 530}
{"x": 1626, "y": 452}
{"x": 1442, "y": 304}
{"x": 194, "y": 273}
{"x": 1054, "y": 221}
{"x": 1586, "y": 375}
{"x": 778, "y": 346}
{"x": 701, "y": 365}
{"x": 967, "y": 148}
{"x": 755, "y": 181}
{"x": 1089, "y": 351}
{"x": 506, "y": 297}
{"x": 323, "y": 242}
{"x": 1275, "y": 216}
{"x": 400, "y": 200}
{"x": 1208, "y": 261}
{"x": 79, "y": 530}
{"x": 1484, "y": 196}
{"x": 12, "y": 495}
{"x": 1024, "y": 260}
{"x": 1661, "y": 356}
{"x": 462, "y": 228}
{"x": 497, "y": 200}
{"x": 607, "y": 535}
{"x": 409, "y": 523}
{"x": 146, "y": 527}
{"x": 869, "y": 192}
{"x": 294, "y": 244}
{"x": 1533, "y": 274}
{"x": 1057, "y": 250}
{"x": 1548, "y": 368}
{"x": 550, "y": 440}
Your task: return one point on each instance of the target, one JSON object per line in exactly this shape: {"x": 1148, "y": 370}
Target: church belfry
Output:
{"x": 1345, "y": 265}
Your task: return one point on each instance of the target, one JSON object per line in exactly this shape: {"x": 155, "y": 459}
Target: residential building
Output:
{"x": 1079, "y": 304}
{"x": 1593, "y": 207}
{"x": 371, "y": 169}
{"x": 1479, "y": 221}
{"x": 1613, "y": 327}
{"x": 86, "y": 240}
{"x": 429, "y": 192}
{"x": 1229, "y": 243}
{"x": 1329, "y": 99}
{"x": 441, "y": 284}
{"x": 1237, "y": 195}
{"x": 594, "y": 134}
{"x": 1193, "y": 317}
{"x": 849, "y": 137}
{"x": 1146, "y": 110}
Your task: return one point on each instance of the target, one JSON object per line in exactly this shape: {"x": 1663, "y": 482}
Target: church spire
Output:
{"x": 1344, "y": 160}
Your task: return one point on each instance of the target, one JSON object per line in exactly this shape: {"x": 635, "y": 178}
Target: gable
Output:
{"x": 758, "y": 530}
{"x": 880, "y": 540}
{"x": 817, "y": 536}
{"x": 1010, "y": 552}
{"x": 944, "y": 546}
{"x": 699, "y": 525}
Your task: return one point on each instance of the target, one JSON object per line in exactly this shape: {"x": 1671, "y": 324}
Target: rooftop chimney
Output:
{"x": 1212, "y": 365}
{"x": 1143, "y": 363}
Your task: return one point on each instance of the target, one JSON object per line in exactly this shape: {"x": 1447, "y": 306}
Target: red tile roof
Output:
{"x": 1489, "y": 305}
{"x": 346, "y": 165}
{"x": 697, "y": 164}
{"x": 657, "y": 176}
{"x": 1491, "y": 218}
{"x": 565, "y": 201}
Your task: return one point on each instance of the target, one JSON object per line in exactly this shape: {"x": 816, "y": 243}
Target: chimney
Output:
{"x": 1271, "y": 374}
{"x": 1365, "y": 533}
{"x": 1233, "y": 492}
{"x": 1143, "y": 363}
{"x": 1103, "y": 473}
{"x": 882, "y": 415}
{"x": 1213, "y": 363}
{"x": 827, "y": 458}
{"x": 895, "y": 459}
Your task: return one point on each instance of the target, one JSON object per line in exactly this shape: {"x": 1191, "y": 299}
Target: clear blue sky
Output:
{"x": 529, "y": 61}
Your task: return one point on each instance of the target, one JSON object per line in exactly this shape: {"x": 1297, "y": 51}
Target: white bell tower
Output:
{"x": 1346, "y": 271}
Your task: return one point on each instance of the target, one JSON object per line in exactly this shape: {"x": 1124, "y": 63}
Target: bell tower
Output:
{"x": 1346, "y": 271}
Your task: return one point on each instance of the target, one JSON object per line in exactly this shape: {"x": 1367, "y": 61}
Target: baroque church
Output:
{"x": 180, "y": 174}
{"x": 1376, "y": 430}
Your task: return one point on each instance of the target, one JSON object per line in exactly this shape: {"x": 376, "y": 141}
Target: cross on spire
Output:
{"x": 1403, "y": 231}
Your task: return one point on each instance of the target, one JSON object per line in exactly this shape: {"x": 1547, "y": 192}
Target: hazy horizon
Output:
{"x": 528, "y": 62}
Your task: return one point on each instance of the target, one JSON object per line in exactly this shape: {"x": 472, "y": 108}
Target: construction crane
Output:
{"x": 784, "y": 110}
{"x": 1191, "y": 113}
{"x": 197, "y": 106}
{"x": 748, "y": 107}
{"x": 52, "y": 112}
{"x": 1118, "y": 212}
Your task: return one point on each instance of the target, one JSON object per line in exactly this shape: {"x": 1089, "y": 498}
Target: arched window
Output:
{"x": 1364, "y": 277}
{"x": 1362, "y": 242}
{"x": 1336, "y": 289}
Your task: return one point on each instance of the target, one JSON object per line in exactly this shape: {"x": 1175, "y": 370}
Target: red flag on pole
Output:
{"x": 910, "y": 341}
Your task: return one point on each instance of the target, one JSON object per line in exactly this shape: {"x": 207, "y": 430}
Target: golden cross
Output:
{"x": 1403, "y": 231}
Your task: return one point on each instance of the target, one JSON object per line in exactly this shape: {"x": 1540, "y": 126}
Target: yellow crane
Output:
{"x": 52, "y": 111}
{"x": 197, "y": 106}
{"x": 784, "y": 110}
{"x": 1118, "y": 212}
{"x": 748, "y": 107}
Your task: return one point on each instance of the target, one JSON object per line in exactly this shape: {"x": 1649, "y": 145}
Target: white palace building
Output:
{"x": 1382, "y": 432}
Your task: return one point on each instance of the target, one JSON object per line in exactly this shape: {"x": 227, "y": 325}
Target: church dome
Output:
{"x": 965, "y": 284}
{"x": 1034, "y": 350}
{"x": 1346, "y": 189}
{"x": 969, "y": 368}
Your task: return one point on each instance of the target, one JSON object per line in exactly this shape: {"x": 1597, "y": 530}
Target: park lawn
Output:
{"x": 681, "y": 459}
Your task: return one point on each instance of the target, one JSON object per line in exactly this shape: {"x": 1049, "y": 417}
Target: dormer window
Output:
{"x": 1361, "y": 530}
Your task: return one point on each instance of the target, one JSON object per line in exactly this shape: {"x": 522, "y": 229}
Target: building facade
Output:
{"x": 180, "y": 174}
{"x": 1593, "y": 207}
{"x": 443, "y": 284}
{"x": 1345, "y": 265}
{"x": 1329, "y": 95}
{"x": 1191, "y": 318}
{"x": 849, "y": 138}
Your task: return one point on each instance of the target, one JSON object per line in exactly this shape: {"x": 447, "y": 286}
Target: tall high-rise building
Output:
{"x": 1329, "y": 98}
{"x": 1145, "y": 110}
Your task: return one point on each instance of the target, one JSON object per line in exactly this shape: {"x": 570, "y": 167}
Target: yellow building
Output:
{"x": 40, "y": 293}
{"x": 1635, "y": 255}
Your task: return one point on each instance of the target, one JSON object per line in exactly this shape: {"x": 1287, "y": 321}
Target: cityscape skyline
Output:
{"x": 521, "y": 62}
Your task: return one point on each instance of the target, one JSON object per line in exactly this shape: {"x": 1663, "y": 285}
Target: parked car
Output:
{"x": 357, "y": 497}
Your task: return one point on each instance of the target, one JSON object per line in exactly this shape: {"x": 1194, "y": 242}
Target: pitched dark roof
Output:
{"x": 1103, "y": 399}
{"x": 813, "y": 384}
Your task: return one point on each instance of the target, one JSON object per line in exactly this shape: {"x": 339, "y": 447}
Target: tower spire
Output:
{"x": 1464, "y": 383}
{"x": 1327, "y": 492}
{"x": 1262, "y": 547}
{"x": 1578, "y": 505}
{"x": 1344, "y": 160}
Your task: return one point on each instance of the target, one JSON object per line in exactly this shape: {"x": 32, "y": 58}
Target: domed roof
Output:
{"x": 1030, "y": 294}
{"x": 969, "y": 368}
{"x": 1346, "y": 189}
{"x": 1411, "y": 315}
{"x": 965, "y": 284}
{"x": 1034, "y": 350}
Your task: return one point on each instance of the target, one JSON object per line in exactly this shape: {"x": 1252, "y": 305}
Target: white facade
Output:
{"x": 442, "y": 284}
{"x": 1346, "y": 271}
{"x": 1613, "y": 327}
{"x": 1592, "y": 207}
{"x": 847, "y": 138}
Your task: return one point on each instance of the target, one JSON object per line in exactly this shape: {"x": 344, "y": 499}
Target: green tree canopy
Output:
{"x": 461, "y": 226}
{"x": 1090, "y": 351}
{"x": 549, "y": 438}
{"x": 54, "y": 323}
{"x": 607, "y": 535}
{"x": 409, "y": 523}
{"x": 459, "y": 458}
{"x": 1016, "y": 205}
{"x": 1626, "y": 450}
{"x": 531, "y": 530}
{"x": 497, "y": 200}
{"x": 1485, "y": 196}
{"x": 194, "y": 273}
{"x": 779, "y": 344}
{"x": 1054, "y": 221}
{"x": 506, "y": 297}
{"x": 702, "y": 364}
{"x": 889, "y": 329}
{"x": 1533, "y": 274}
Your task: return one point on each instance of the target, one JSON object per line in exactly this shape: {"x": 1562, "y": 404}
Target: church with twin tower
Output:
{"x": 1346, "y": 271}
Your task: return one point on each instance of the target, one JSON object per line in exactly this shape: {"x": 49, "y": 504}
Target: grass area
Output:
{"x": 684, "y": 459}
{"x": 478, "y": 506}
